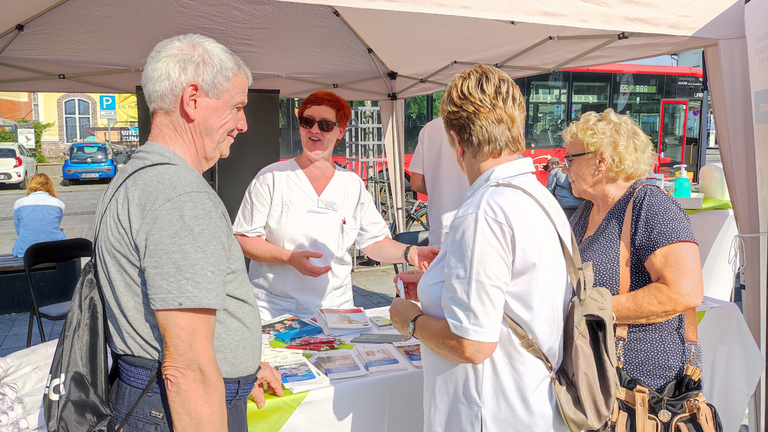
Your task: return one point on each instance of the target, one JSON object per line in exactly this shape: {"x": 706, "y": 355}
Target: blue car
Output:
{"x": 89, "y": 161}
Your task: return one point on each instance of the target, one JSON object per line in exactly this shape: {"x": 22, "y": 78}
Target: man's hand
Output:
{"x": 299, "y": 260}
{"x": 422, "y": 256}
{"x": 267, "y": 374}
{"x": 410, "y": 280}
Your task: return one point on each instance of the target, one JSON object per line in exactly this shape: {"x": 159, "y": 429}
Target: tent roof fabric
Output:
{"x": 299, "y": 48}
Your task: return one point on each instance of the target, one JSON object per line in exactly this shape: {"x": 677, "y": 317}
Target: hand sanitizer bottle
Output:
{"x": 682, "y": 184}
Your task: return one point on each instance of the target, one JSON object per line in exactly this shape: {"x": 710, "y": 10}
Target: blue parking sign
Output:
{"x": 107, "y": 102}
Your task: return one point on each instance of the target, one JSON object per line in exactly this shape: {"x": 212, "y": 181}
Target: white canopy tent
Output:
{"x": 92, "y": 46}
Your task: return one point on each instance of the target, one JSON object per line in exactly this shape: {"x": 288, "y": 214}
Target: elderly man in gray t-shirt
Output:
{"x": 177, "y": 293}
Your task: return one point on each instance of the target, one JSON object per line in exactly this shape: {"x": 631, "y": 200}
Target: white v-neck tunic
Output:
{"x": 282, "y": 207}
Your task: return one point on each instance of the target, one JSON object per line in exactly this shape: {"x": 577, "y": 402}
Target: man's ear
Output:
{"x": 190, "y": 100}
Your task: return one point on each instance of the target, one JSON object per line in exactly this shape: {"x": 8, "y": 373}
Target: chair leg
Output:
{"x": 29, "y": 330}
{"x": 40, "y": 326}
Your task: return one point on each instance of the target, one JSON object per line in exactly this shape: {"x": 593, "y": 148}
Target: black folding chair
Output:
{"x": 416, "y": 238}
{"x": 53, "y": 252}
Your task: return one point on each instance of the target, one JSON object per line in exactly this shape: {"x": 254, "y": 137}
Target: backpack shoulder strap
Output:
{"x": 575, "y": 273}
{"x": 114, "y": 192}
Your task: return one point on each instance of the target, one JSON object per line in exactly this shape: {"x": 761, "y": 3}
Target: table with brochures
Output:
{"x": 390, "y": 402}
{"x": 393, "y": 403}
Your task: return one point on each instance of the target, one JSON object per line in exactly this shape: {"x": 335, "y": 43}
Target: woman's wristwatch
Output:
{"x": 405, "y": 253}
{"x": 412, "y": 324}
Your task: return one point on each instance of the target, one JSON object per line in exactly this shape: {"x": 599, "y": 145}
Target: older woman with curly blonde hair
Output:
{"x": 608, "y": 157}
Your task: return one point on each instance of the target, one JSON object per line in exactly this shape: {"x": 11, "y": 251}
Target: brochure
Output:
{"x": 338, "y": 364}
{"x": 286, "y": 328}
{"x": 378, "y": 338}
{"x": 381, "y": 321}
{"x": 319, "y": 320}
{"x": 412, "y": 351}
{"x": 299, "y": 375}
{"x": 380, "y": 358}
{"x": 345, "y": 318}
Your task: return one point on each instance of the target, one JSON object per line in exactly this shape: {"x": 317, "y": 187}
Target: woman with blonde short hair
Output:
{"x": 608, "y": 158}
{"x": 37, "y": 217}
{"x": 500, "y": 255}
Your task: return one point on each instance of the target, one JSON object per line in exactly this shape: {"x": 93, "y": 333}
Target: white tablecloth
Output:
{"x": 732, "y": 361}
{"x": 731, "y": 367}
{"x": 714, "y": 230}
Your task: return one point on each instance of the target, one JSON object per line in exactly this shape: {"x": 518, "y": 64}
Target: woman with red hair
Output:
{"x": 300, "y": 216}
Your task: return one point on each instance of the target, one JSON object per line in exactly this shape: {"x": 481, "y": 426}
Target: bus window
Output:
{"x": 639, "y": 96}
{"x": 547, "y": 99}
{"x": 591, "y": 92}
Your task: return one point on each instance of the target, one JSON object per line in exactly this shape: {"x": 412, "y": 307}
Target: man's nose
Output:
{"x": 242, "y": 123}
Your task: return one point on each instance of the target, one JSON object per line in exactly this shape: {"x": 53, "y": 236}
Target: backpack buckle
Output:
{"x": 527, "y": 343}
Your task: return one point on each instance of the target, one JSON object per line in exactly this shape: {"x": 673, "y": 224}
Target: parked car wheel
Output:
{"x": 23, "y": 184}
{"x": 65, "y": 182}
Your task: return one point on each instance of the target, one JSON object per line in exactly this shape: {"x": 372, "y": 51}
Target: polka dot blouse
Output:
{"x": 653, "y": 353}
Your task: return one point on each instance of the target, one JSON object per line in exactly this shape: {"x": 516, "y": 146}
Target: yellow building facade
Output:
{"x": 75, "y": 115}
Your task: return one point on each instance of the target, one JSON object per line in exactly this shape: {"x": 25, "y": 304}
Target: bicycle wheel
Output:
{"x": 418, "y": 220}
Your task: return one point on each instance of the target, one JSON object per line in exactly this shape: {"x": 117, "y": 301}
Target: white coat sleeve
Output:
{"x": 478, "y": 271}
{"x": 251, "y": 219}
{"x": 372, "y": 226}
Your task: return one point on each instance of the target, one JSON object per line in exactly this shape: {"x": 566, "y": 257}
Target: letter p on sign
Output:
{"x": 107, "y": 102}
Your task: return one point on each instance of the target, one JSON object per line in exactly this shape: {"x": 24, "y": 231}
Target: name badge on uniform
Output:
{"x": 328, "y": 205}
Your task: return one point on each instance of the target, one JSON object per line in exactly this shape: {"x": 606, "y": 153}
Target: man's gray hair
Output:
{"x": 184, "y": 59}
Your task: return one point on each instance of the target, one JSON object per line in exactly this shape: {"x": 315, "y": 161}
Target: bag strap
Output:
{"x": 97, "y": 230}
{"x": 691, "y": 330}
{"x": 104, "y": 212}
{"x": 575, "y": 273}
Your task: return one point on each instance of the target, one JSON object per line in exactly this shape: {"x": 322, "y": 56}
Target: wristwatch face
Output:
{"x": 411, "y": 328}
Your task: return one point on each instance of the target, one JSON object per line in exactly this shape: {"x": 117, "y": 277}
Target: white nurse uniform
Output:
{"x": 282, "y": 207}
{"x": 500, "y": 255}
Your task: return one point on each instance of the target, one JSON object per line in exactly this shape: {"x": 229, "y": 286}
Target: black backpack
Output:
{"x": 76, "y": 395}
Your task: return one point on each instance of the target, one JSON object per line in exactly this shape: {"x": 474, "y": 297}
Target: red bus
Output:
{"x": 663, "y": 100}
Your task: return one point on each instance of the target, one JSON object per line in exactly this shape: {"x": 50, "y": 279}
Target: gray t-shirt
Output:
{"x": 166, "y": 243}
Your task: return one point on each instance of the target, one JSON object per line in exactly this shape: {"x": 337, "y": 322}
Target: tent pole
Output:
{"x": 32, "y": 18}
{"x": 530, "y": 48}
{"x": 589, "y": 51}
{"x": 352, "y": 29}
{"x": 13, "y": 38}
{"x": 52, "y": 76}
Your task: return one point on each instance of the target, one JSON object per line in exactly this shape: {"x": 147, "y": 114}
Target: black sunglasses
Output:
{"x": 568, "y": 158}
{"x": 323, "y": 125}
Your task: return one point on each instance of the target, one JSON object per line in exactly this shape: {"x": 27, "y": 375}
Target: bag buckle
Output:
{"x": 527, "y": 343}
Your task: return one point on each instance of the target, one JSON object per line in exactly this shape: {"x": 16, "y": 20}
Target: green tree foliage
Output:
{"x": 6, "y": 135}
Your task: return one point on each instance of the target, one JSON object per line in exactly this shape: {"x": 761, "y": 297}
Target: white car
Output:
{"x": 17, "y": 164}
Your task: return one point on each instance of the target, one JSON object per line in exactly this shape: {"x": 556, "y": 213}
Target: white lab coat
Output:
{"x": 282, "y": 207}
{"x": 501, "y": 255}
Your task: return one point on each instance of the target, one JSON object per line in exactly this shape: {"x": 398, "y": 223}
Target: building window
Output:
{"x": 77, "y": 115}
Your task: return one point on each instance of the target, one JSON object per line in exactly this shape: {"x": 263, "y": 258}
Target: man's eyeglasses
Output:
{"x": 568, "y": 157}
{"x": 323, "y": 125}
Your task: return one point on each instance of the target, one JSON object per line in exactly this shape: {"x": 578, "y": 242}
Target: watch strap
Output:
{"x": 412, "y": 324}
{"x": 405, "y": 253}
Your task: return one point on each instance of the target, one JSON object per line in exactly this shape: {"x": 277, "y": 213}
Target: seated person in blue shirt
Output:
{"x": 37, "y": 216}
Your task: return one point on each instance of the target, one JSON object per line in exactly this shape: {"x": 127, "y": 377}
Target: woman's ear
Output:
{"x": 454, "y": 141}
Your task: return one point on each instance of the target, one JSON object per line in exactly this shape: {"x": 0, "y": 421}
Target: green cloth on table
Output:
{"x": 711, "y": 204}
{"x": 275, "y": 413}
{"x": 699, "y": 316}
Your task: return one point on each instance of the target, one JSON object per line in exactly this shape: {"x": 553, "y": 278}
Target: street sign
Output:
{"x": 107, "y": 102}
{"x": 695, "y": 112}
{"x": 107, "y": 107}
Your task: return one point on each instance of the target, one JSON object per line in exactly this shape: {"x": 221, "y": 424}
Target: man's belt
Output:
{"x": 138, "y": 377}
